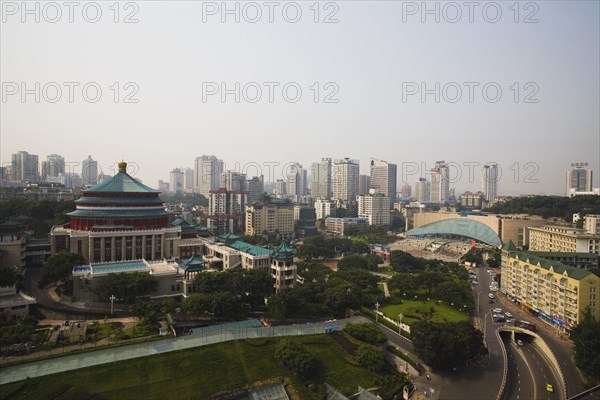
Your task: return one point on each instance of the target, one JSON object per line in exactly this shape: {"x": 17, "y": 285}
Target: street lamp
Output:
{"x": 112, "y": 299}
{"x": 377, "y": 313}
{"x": 400, "y": 316}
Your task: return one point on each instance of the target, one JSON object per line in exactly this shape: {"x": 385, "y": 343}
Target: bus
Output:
{"x": 526, "y": 325}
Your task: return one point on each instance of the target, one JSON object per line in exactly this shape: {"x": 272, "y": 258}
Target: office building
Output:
{"x": 176, "y": 181}
{"x": 405, "y": 191}
{"x": 579, "y": 179}
{"x": 52, "y": 168}
{"x": 344, "y": 226}
{"x": 188, "y": 180}
{"x": 472, "y": 200}
{"x": 233, "y": 181}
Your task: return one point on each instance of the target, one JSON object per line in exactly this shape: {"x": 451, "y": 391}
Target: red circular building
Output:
{"x": 120, "y": 203}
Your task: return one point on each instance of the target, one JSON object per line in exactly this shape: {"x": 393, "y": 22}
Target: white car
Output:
{"x": 519, "y": 342}
{"x": 509, "y": 315}
{"x": 497, "y": 310}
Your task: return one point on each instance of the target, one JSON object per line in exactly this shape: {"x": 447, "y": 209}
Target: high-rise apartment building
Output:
{"x": 226, "y": 211}
{"x": 233, "y": 181}
{"x": 320, "y": 179}
{"x": 440, "y": 183}
{"x": 273, "y": 220}
{"x": 25, "y": 167}
{"x": 324, "y": 208}
{"x": 280, "y": 189}
{"x": 405, "y": 191}
{"x": 383, "y": 179}
{"x": 345, "y": 179}
{"x": 207, "y": 174}
{"x": 489, "y": 181}
{"x": 364, "y": 183}
{"x": 375, "y": 207}
{"x": 256, "y": 187}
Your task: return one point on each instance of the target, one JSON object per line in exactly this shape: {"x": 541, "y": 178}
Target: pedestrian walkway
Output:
{"x": 103, "y": 356}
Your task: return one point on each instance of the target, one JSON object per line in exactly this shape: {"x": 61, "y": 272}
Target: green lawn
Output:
{"x": 204, "y": 371}
{"x": 415, "y": 310}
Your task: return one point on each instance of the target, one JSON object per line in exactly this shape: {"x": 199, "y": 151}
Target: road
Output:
{"x": 529, "y": 371}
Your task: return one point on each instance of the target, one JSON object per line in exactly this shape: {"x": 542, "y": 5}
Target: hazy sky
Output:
{"x": 375, "y": 61}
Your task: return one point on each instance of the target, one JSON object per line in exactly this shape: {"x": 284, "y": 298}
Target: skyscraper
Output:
{"x": 364, "y": 183}
{"x": 489, "y": 181}
{"x": 440, "y": 183}
{"x": 345, "y": 179}
{"x": 579, "y": 179}
{"x": 188, "y": 186}
{"x": 207, "y": 174}
{"x": 53, "y": 167}
{"x": 176, "y": 178}
{"x": 320, "y": 179}
{"x": 296, "y": 179}
{"x": 383, "y": 178}
{"x": 405, "y": 191}
{"x": 89, "y": 171}
{"x": 256, "y": 187}
{"x": 233, "y": 181}
{"x": 422, "y": 190}
{"x": 25, "y": 167}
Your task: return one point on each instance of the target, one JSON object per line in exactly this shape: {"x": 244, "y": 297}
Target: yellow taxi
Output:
{"x": 549, "y": 388}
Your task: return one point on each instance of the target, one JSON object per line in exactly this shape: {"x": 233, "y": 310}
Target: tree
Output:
{"x": 127, "y": 286}
{"x": 296, "y": 357}
{"x": 405, "y": 283}
{"x": 366, "y": 332}
{"x": 359, "y": 247}
{"x": 586, "y": 339}
{"x": 341, "y": 298}
{"x": 373, "y": 261}
{"x": 370, "y": 357}
{"x": 353, "y": 261}
{"x": 446, "y": 345}
{"x": 429, "y": 280}
{"x": 59, "y": 268}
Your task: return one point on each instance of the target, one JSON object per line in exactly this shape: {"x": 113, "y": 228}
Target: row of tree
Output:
{"x": 315, "y": 247}
{"x": 44, "y": 213}
{"x": 549, "y": 206}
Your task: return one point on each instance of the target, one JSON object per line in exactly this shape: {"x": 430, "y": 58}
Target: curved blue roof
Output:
{"x": 121, "y": 182}
{"x": 460, "y": 227}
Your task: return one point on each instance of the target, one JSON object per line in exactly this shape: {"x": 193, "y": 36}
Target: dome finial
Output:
{"x": 122, "y": 166}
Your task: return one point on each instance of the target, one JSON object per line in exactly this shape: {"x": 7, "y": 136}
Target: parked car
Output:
{"x": 509, "y": 315}
{"x": 497, "y": 310}
{"x": 491, "y": 295}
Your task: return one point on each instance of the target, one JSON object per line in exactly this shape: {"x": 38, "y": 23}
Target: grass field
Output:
{"x": 415, "y": 310}
{"x": 204, "y": 371}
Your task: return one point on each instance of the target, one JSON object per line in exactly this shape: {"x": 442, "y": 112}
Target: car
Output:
{"x": 494, "y": 289}
{"x": 475, "y": 282}
{"x": 509, "y": 315}
{"x": 549, "y": 388}
{"x": 491, "y": 301}
{"x": 497, "y": 310}
{"x": 519, "y": 342}
{"x": 491, "y": 295}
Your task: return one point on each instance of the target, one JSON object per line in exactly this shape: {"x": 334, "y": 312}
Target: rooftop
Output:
{"x": 251, "y": 249}
{"x": 557, "y": 267}
{"x": 121, "y": 182}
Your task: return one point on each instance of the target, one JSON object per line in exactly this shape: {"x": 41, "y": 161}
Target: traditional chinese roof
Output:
{"x": 283, "y": 251}
{"x": 121, "y": 182}
{"x": 192, "y": 264}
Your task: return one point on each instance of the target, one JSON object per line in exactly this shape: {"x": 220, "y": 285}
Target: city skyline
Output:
{"x": 398, "y": 101}
{"x": 463, "y": 178}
